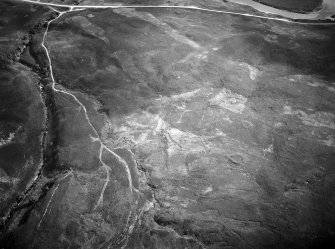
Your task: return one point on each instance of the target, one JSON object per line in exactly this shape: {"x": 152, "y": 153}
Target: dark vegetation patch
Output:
{"x": 12, "y": 159}
{"x": 310, "y": 51}
{"x": 22, "y": 119}
{"x": 115, "y": 72}
{"x": 21, "y": 104}
{"x": 16, "y": 21}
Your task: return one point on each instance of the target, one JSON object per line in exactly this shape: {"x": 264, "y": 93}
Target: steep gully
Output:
{"x": 123, "y": 238}
{"x": 103, "y": 147}
{"x": 97, "y": 138}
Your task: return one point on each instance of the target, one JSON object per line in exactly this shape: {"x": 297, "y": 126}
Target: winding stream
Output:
{"x": 327, "y": 10}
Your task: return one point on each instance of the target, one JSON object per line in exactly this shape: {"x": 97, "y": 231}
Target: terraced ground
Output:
{"x": 165, "y": 128}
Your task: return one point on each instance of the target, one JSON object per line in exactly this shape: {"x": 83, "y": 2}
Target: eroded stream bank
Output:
{"x": 32, "y": 57}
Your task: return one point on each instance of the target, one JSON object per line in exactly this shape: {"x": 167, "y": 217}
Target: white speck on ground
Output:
{"x": 226, "y": 99}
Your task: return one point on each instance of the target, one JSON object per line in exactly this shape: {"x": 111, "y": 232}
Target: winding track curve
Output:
{"x": 189, "y": 7}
